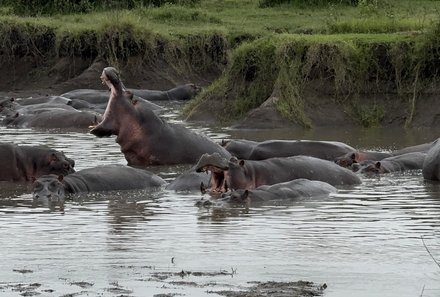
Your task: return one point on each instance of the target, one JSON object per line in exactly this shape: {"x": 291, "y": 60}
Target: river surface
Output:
{"x": 367, "y": 240}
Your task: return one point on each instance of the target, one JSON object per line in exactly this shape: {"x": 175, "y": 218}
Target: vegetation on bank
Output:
{"x": 272, "y": 51}
{"x": 285, "y": 66}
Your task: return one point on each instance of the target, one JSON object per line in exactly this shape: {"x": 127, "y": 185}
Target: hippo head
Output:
{"x": 110, "y": 77}
{"x": 117, "y": 107}
{"x": 184, "y": 92}
{"x": 346, "y": 160}
{"x": 57, "y": 163}
{"x": 49, "y": 188}
{"x": 8, "y": 106}
{"x": 217, "y": 165}
{"x": 193, "y": 89}
{"x": 371, "y": 167}
{"x": 237, "y": 175}
{"x": 240, "y": 196}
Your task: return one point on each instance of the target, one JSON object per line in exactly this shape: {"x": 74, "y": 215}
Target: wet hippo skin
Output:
{"x": 100, "y": 178}
{"x": 145, "y": 138}
{"x": 22, "y": 163}
{"x": 250, "y": 174}
{"x": 289, "y": 191}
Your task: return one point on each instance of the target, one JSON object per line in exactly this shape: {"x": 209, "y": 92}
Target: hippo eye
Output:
{"x": 53, "y": 186}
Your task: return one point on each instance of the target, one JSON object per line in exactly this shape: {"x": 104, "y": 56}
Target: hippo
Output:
{"x": 347, "y": 160}
{"x": 101, "y": 178}
{"x": 43, "y": 100}
{"x": 189, "y": 181}
{"x": 292, "y": 190}
{"x": 22, "y": 163}
{"x": 408, "y": 161}
{"x": 91, "y": 96}
{"x": 424, "y": 147}
{"x": 179, "y": 93}
{"x": 240, "y": 174}
{"x": 54, "y": 118}
{"x": 240, "y": 148}
{"x": 144, "y": 137}
{"x": 431, "y": 165}
{"x": 251, "y": 150}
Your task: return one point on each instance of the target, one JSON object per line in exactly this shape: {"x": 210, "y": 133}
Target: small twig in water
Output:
{"x": 429, "y": 252}
{"x": 233, "y": 271}
{"x": 423, "y": 289}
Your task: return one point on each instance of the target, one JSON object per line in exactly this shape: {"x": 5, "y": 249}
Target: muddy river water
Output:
{"x": 367, "y": 240}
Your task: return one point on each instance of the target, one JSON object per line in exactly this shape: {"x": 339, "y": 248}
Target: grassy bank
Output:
{"x": 246, "y": 18}
{"x": 273, "y": 51}
{"x": 346, "y": 66}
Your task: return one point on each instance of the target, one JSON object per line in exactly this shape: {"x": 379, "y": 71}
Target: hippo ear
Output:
{"x": 353, "y": 156}
{"x": 377, "y": 165}
{"x": 129, "y": 94}
{"x": 241, "y": 163}
{"x": 61, "y": 177}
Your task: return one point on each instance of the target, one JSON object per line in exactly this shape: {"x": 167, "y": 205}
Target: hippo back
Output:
{"x": 431, "y": 165}
{"x": 111, "y": 178}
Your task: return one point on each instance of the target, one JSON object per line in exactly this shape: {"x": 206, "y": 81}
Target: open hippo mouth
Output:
{"x": 110, "y": 76}
{"x": 218, "y": 166}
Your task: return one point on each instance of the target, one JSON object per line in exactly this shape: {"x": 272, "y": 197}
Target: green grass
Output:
{"x": 236, "y": 18}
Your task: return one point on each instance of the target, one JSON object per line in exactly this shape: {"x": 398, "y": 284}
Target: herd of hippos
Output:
{"x": 236, "y": 171}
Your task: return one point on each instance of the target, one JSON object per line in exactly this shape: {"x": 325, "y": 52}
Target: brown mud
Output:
{"x": 27, "y": 76}
{"x": 30, "y": 77}
{"x": 167, "y": 280}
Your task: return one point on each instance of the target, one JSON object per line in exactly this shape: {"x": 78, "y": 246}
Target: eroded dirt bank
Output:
{"x": 278, "y": 81}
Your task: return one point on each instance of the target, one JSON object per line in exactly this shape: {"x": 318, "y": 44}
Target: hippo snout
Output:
{"x": 214, "y": 160}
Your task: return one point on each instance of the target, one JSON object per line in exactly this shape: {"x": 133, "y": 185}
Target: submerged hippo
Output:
{"x": 250, "y": 174}
{"x": 101, "y": 178}
{"x": 408, "y": 161}
{"x": 48, "y": 112}
{"x": 179, "y": 93}
{"x": 423, "y": 148}
{"x": 189, "y": 181}
{"x": 291, "y": 190}
{"x": 98, "y": 99}
{"x": 54, "y": 118}
{"x": 251, "y": 150}
{"x": 431, "y": 165}
{"x": 43, "y": 100}
{"x": 348, "y": 160}
{"x": 145, "y": 138}
{"x": 22, "y": 163}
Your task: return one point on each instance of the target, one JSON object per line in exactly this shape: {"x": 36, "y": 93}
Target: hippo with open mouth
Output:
{"x": 250, "y": 174}
{"x": 145, "y": 138}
